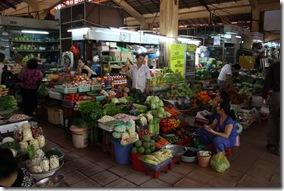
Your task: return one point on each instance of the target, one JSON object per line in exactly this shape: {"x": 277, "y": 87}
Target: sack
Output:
{"x": 219, "y": 162}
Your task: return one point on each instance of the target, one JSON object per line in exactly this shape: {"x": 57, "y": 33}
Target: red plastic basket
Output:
{"x": 136, "y": 163}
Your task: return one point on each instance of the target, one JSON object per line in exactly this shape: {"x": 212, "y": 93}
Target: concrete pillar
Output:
{"x": 168, "y": 26}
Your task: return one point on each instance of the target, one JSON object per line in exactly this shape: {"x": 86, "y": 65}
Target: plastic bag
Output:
{"x": 219, "y": 162}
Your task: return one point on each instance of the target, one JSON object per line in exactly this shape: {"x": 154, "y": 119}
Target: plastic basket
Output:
{"x": 65, "y": 90}
{"x": 84, "y": 89}
{"x": 96, "y": 88}
{"x": 157, "y": 167}
{"x": 68, "y": 104}
{"x": 136, "y": 163}
{"x": 55, "y": 95}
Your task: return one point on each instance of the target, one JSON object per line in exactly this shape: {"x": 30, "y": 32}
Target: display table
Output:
{"x": 6, "y": 128}
{"x": 106, "y": 139}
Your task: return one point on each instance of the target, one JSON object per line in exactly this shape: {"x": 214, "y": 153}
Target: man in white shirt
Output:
{"x": 140, "y": 74}
{"x": 226, "y": 74}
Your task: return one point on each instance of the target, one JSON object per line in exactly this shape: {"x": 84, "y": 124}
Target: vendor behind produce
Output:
{"x": 84, "y": 69}
{"x": 225, "y": 75}
{"x": 140, "y": 74}
{"x": 222, "y": 133}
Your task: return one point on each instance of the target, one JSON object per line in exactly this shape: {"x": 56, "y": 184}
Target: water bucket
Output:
{"x": 121, "y": 152}
{"x": 203, "y": 161}
{"x": 79, "y": 137}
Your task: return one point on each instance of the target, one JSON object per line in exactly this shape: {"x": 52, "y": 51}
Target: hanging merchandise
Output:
{"x": 67, "y": 60}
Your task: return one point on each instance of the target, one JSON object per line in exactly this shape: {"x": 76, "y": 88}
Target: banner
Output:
{"x": 177, "y": 58}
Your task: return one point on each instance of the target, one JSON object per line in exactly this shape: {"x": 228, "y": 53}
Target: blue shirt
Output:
{"x": 221, "y": 127}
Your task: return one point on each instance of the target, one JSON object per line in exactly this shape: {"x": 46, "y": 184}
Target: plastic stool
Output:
{"x": 228, "y": 152}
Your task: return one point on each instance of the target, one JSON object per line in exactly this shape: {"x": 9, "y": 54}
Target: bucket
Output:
{"x": 79, "y": 137}
{"x": 121, "y": 152}
{"x": 203, "y": 161}
{"x": 136, "y": 163}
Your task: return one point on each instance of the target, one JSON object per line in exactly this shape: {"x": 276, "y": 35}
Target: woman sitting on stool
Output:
{"x": 222, "y": 132}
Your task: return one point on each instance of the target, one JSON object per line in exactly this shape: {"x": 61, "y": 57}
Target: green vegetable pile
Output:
{"x": 90, "y": 111}
{"x": 7, "y": 103}
{"x": 111, "y": 109}
{"x": 137, "y": 95}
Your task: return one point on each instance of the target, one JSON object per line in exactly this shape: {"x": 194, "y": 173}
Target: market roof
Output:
{"x": 5, "y": 4}
{"x": 240, "y": 16}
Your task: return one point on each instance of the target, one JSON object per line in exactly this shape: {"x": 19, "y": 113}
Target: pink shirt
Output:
{"x": 31, "y": 78}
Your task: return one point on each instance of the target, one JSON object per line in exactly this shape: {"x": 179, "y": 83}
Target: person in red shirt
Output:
{"x": 30, "y": 78}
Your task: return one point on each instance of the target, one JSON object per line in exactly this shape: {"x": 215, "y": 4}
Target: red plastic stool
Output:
{"x": 228, "y": 152}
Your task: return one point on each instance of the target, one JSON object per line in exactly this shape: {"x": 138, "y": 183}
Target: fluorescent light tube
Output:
{"x": 34, "y": 32}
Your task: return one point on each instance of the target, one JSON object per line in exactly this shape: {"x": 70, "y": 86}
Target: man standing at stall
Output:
{"x": 140, "y": 74}
{"x": 226, "y": 74}
{"x": 272, "y": 84}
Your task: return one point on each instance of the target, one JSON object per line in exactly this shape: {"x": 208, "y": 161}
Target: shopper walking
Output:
{"x": 30, "y": 81}
{"x": 272, "y": 84}
{"x": 140, "y": 74}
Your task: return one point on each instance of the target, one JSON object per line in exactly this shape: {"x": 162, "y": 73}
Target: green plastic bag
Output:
{"x": 219, "y": 162}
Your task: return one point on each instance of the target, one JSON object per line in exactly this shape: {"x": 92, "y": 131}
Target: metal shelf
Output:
{"x": 40, "y": 42}
{"x": 37, "y": 51}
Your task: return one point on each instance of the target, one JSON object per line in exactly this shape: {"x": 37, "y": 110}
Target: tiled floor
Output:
{"x": 251, "y": 166}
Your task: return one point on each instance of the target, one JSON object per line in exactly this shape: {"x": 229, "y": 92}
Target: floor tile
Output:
{"x": 104, "y": 177}
{"x": 170, "y": 177}
{"x": 248, "y": 181}
{"x": 121, "y": 183}
{"x": 86, "y": 183}
{"x": 189, "y": 183}
{"x": 106, "y": 164}
{"x": 74, "y": 177}
{"x": 137, "y": 178}
{"x": 184, "y": 168}
{"x": 91, "y": 170}
{"x": 200, "y": 176}
{"x": 121, "y": 170}
{"x": 262, "y": 169}
{"x": 155, "y": 183}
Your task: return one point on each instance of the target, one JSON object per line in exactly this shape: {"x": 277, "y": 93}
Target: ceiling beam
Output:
{"x": 8, "y": 4}
{"x": 223, "y": 9}
{"x": 131, "y": 11}
{"x": 33, "y": 4}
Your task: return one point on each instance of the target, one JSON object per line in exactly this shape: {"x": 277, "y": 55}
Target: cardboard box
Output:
{"x": 55, "y": 116}
{"x": 125, "y": 56}
{"x": 103, "y": 48}
{"x": 116, "y": 55}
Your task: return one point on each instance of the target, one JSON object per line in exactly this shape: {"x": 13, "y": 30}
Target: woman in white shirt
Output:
{"x": 140, "y": 74}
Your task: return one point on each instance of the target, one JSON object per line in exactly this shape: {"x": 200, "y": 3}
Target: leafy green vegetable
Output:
{"x": 7, "y": 103}
{"x": 31, "y": 151}
{"x": 111, "y": 109}
{"x": 91, "y": 111}
{"x": 11, "y": 145}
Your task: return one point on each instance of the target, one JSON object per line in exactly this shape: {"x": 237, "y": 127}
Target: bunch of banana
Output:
{"x": 158, "y": 157}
